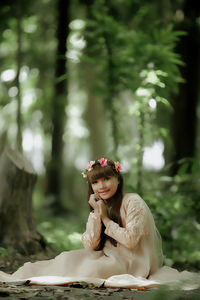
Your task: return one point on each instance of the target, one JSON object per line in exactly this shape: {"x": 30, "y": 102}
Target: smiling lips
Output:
{"x": 104, "y": 192}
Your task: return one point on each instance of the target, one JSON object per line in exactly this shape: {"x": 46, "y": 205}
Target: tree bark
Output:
{"x": 19, "y": 62}
{"x": 97, "y": 125}
{"x": 111, "y": 83}
{"x": 16, "y": 213}
{"x": 96, "y": 116}
{"x": 185, "y": 103}
{"x": 54, "y": 172}
{"x": 98, "y": 106}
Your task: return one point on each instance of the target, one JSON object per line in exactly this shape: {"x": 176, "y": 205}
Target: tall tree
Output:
{"x": 96, "y": 118}
{"x": 19, "y": 65}
{"x": 103, "y": 39}
{"x": 54, "y": 174}
{"x": 185, "y": 102}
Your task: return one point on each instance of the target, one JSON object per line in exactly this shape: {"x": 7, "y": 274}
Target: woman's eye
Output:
{"x": 107, "y": 178}
{"x": 94, "y": 182}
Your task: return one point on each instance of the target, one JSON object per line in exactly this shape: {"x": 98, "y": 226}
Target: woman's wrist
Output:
{"x": 105, "y": 220}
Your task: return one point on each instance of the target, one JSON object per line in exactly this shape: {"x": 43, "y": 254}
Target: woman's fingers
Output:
{"x": 94, "y": 199}
{"x": 97, "y": 197}
{"x": 100, "y": 205}
{"x": 102, "y": 208}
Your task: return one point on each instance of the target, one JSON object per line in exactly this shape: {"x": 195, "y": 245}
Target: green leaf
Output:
{"x": 4, "y": 251}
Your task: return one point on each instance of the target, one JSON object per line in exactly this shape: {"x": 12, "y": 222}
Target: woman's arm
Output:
{"x": 135, "y": 223}
{"x": 91, "y": 237}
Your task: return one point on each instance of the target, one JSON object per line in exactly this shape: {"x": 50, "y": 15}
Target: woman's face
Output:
{"x": 106, "y": 187}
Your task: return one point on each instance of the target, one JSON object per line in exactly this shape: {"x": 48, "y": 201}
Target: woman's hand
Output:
{"x": 93, "y": 201}
{"x": 103, "y": 212}
{"x": 102, "y": 209}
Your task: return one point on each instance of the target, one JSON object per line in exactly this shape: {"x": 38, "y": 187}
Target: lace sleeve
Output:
{"x": 91, "y": 237}
{"x": 135, "y": 224}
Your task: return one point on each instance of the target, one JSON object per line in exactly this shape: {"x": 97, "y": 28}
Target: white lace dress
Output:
{"x": 138, "y": 252}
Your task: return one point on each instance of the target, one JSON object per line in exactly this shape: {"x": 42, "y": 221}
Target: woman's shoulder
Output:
{"x": 133, "y": 202}
{"x": 132, "y": 199}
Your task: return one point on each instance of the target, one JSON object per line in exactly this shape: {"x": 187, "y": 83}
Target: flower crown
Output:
{"x": 103, "y": 162}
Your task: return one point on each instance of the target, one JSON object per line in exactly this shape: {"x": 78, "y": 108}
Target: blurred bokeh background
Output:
{"x": 84, "y": 79}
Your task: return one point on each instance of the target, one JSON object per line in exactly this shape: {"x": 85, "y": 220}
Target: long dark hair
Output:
{"x": 114, "y": 203}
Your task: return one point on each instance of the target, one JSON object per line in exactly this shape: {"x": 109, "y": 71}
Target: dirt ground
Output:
{"x": 11, "y": 291}
{"x": 88, "y": 293}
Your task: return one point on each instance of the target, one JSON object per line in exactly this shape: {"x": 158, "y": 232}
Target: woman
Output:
{"x": 120, "y": 237}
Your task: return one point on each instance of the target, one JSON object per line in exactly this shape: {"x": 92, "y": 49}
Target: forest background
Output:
{"x": 87, "y": 79}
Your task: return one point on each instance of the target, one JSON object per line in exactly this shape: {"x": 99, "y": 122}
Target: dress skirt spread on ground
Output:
{"x": 135, "y": 261}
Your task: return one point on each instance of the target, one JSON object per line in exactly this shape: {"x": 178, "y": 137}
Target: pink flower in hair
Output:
{"x": 103, "y": 162}
{"x": 90, "y": 164}
{"x": 118, "y": 167}
{"x": 84, "y": 175}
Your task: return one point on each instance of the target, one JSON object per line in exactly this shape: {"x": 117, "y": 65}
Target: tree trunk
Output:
{"x": 16, "y": 213}
{"x": 185, "y": 103}
{"x": 97, "y": 125}
{"x": 96, "y": 116}
{"x": 141, "y": 151}
{"x": 111, "y": 83}
{"x": 54, "y": 173}
{"x": 19, "y": 62}
{"x": 97, "y": 119}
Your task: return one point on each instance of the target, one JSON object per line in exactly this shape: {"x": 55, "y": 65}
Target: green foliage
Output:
{"x": 60, "y": 234}
{"x": 178, "y": 227}
{"x": 174, "y": 202}
{"x": 4, "y": 252}
{"x": 130, "y": 57}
